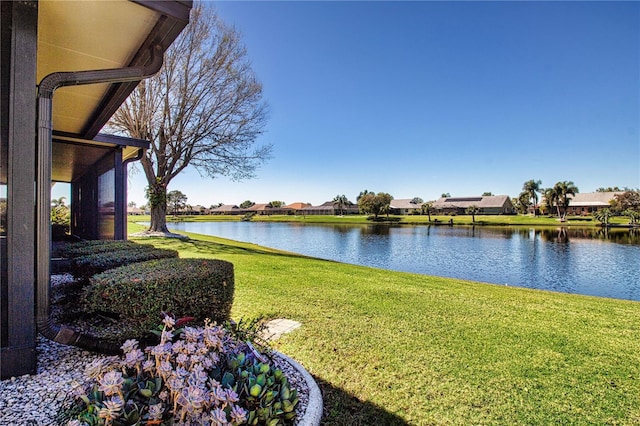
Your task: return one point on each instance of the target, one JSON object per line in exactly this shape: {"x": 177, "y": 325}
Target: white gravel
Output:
{"x": 35, "y": 399}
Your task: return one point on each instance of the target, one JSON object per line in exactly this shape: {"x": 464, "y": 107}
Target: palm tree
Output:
{"x": 473, "y": 210}
{"x": 426, "y": 208}
{"x": 551, "y": 198}
{"x": 58, "y": 202}
{"x": 340, "y": 201}
{"x": 564, "y": 189}
{"x": 532, "y": 187}
{"x": 603, "y": 216}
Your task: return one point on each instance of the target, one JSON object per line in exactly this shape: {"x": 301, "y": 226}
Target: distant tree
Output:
{"x": 473, "y": 210}
{"x": 532, "y": 188}
{"x": 277, "y": 204}
{"x": 214, "y": 206}
{"x": 603, "y": 215}
{"x": 487, "y": 194}
{"x": 629, "y": 199}
{"x": 426, "y": 208}
{"x": 340, "y": 201}
{"x": 522, "y": 202}
{"x": 417, "y": 200}
{"x": 634, "y": 215}
{"x": 204, "y": 109}
{"x": 550, "y": 200}
{"x": 60, "y": 214}
{"x": 246, "y": 204}
{"x": 375, "y": 204}
{"x": 362, "y": 194}
{"x": 131, "y": 204}
{"x": 516, "y": 204}
{"x": 564, "y": 189}
{"x": 611, "y": 189}
{"x": 176, "y": 201}
{"x": 445, "y": 195}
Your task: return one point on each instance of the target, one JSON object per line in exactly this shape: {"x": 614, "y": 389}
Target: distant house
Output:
{"x": 404, "y": 206}
{"x": 589, "y": 202}
{"x": 199, "y": 209}
{"x": 329, "y": 208}
{"x": 266, "y": 209}
{"x": 134, "y": 211}
{"x": 297, "y": 206}
{"x": 490, "y": 204}
{"x": 227, "y": 209}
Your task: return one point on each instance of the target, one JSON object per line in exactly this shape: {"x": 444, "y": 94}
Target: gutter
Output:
{"x": 46, "y": 89}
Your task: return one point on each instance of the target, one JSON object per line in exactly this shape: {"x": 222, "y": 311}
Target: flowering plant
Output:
{"x": 194, "y": 380}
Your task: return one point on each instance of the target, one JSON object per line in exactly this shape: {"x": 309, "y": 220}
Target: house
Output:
{"x": 329, "y": 208}
{"x": 297, "y": 206}
{"x": 199, "y": 209}
{"x": 134, "y": 211}
{"x": 227, "y": 209}
{"x": 589, "y": 202}
{"x": 405, "y": 206}
{"x": 66, "y": 66}
{"x": 266, "y": 209}
{"x": 488, "y": 204}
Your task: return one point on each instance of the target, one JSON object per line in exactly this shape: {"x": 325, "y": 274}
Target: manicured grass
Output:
{"x": 480, "y": 220}
{"x": 398, "y": 348}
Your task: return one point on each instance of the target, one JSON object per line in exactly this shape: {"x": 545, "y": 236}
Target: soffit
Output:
{"x": 87, "y": 35}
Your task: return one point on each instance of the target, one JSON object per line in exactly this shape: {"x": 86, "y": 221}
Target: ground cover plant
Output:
{"x": 399, "y": 348}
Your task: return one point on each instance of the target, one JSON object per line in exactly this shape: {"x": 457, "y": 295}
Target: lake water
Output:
{"x": 580, "y": 261}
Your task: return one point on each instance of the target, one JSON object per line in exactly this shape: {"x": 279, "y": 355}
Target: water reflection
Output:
{"x": 597, "y": 262}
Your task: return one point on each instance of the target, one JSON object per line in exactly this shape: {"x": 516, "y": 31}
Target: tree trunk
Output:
{"x": 158, "y": 219}
{"x": 157, "y": 195}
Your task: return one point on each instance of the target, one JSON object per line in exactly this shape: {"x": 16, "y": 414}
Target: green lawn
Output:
{"x": 398, "y": 348}
{"x": 492, "y": 220}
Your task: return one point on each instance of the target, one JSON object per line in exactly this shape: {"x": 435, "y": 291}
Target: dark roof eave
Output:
{"x": 101, "y": 138}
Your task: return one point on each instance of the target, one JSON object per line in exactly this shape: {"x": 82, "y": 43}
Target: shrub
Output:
{"x": 200, "y": 288}
{"x": 84, "y": 248}
{"x": 206, "y": 377}
{"x": 86, "y": 266}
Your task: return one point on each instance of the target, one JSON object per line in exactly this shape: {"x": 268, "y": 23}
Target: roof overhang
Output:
{"x": 92, "y": 35}
{"x": 72, "y": 156}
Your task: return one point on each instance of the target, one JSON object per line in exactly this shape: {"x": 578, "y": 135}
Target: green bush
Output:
{"x": 88, "y": 265}
{"x": 138, "y": 293}
{"x": 84, "y": 248}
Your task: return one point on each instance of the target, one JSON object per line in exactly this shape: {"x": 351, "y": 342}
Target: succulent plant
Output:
{"x": 204, "y": 377}
{"x": 265, "y": 391}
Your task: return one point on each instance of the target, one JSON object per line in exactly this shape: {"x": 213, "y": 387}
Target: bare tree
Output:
{"x": 203, "y": 109}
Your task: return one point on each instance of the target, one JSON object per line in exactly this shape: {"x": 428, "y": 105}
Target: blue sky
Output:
{"x": 421, "y": 98}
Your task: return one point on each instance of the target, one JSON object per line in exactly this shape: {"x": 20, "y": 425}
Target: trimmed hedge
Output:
{"x": 139, "y": 293}
{"x": 85, "y": 248}
{"x": 86, "y": 266}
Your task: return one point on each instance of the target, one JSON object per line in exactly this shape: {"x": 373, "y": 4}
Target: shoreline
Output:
{"x": 542, "y": 222}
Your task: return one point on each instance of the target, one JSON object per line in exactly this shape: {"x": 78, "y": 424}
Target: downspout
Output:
{"x": 46, "y": 89}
